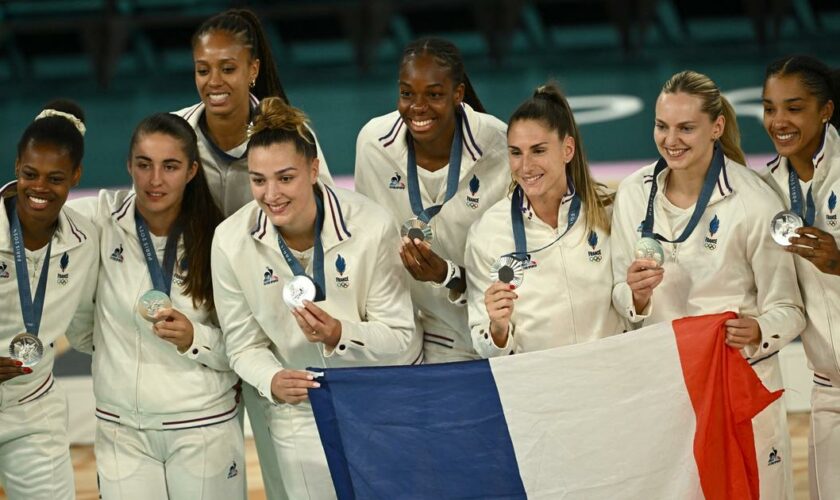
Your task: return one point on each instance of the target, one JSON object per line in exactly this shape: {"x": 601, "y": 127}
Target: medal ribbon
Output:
{"x": 317, "y": 254}
{"x": 31, "y": 310}
{"x": 519, "y": 238}
{"x": 452, "y": 177}
{"x": 161, "y": 275}
{"x": 702, "y": 201}
{"x": 796, "y": 198}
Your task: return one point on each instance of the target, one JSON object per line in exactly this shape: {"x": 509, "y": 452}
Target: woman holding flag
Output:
{"x": 305, "y": 276}
{"x": 166, "y": 399}
{"x": 436, "y": 164}
{"x": 48, "y": 261}
{"x": 801, "y": 95}
{"x": 542, "y": 256}
{"x": 690, "y": 237}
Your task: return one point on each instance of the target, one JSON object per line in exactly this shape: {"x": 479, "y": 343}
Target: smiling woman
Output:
{"x": 48, "y": 260}
{"x": 436, "y": 164}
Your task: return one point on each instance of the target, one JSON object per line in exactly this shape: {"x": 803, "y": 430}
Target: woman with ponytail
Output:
{"x": 305, "y": 275}
{"x": 436, "y": 164}
{"x": 166, "y": 398}
{"x": 234, "y": 69}
{"x": 551, "y": 238}
{"x": 690, "y": 237}
{"x": 48, "y": 261}
{"x": 801, "y": 95}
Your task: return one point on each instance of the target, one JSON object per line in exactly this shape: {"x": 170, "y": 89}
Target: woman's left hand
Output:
{"x": 421, "y": 261}
{"x": 741, "y": 332}
{"x": 317, "y": 325}
{"x": 172, "y": 326}
{"x": 818, "y": 247}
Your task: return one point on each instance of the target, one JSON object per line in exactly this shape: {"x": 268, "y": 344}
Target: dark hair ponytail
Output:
{"x": 448, "y": 56}
{"x": 549, "y": 107}
{"x": 816, "y": 76}
{"x": 61, "y": 124}
{"x": 199, "y": 214}
{"x": 245, "y": 26}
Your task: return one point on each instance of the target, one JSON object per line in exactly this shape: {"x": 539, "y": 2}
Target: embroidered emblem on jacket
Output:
{"x": 472, "y": 201}
{"x": 117, "y": 254}
{"x": 4, "y": 270}
{"x": 341, "y": 281}
{"x": 232, "y": 471}
{"x": 831, "y": 217}
{"x": 711, "y": 241}
{"x": 268, "y": 276}
{"x": 396, "y": 182}
{"x": 63, "y": 277}
{"x": 595, "y": 253}
{"x": 774, "y": 457}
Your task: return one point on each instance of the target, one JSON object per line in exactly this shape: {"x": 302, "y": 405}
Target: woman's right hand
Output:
{"x": 498, "y": 300}
{"x": 11, "y": 368}
{"x": 290, "y": 386}
{"x": 643, "y": 276}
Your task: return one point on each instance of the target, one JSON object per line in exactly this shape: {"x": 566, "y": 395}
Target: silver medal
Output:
{"x": 417, "y": 229}
{"x": 650, "y": 249}
{"x": 297, "y": 290}
{"x": 151, "y": 302}
{"x": 27, "y": 349}
{"x": 508, "y": 269}
{"x": 784, "y": 226}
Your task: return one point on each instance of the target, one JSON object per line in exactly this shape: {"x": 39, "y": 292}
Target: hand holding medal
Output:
{"x": 174, "y": 327}
{"x": 421, "y": 261}
{"x": 11, "y": 368}
{"x": 317, "y": 325}
{"x": 818, "y": 247}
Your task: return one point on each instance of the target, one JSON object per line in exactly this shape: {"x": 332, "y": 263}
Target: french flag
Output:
{"x": 663, "y": 412}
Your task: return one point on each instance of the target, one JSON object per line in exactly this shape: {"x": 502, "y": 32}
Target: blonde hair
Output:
{"x": 548, "y": 106}
{"x": 714, "y": 104}
{"x": 277, "y": 123}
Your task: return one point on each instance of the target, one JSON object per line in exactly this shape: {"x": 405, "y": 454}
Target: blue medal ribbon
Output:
{"x": 31, "y": 310}
{"x": 796, "y": 198}
{"x": 317, "y": 254}
{"x": 161, "y": 275}
{"x": 452, "y": 177}
{"x": 702, "y": 201}
{"x": 519, "y": 238}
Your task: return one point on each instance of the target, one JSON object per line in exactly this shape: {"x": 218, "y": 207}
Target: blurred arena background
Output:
{"x": 124, "y": 59}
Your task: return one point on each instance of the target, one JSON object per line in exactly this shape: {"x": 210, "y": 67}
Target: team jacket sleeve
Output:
{"x": 362, "y": 170}
{"x": 622, "y": 243}
{"x": 80, "y": 331}
{"x": 387, "y": 329}
{"x": 208, "y": 347}
{"x": 779, "y": 301}
{"x": 477, "y": 262}
{"x": 246, "y": 344}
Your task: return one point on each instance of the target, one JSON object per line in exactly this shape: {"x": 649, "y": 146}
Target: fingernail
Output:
{"x": 18, "y": 363}
{"x": 512, "y": 286}
{"x": 316, "y": 385}
{"x": 310, "y": 377}
{"x": 27, "y": 370}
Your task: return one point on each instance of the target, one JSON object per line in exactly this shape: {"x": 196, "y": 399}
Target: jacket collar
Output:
{"x": 334, "y": 232}
{"x": 195, "y": 117}
{"x": 394, "y": 142}
{"x": 68, "y": 233}
{"x": 723, "y": 187}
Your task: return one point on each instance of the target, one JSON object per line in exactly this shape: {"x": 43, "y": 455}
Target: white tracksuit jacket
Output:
{"x": 227, "y": 176}
{"x": 71, "y": 283}
{"x": 141, "y": 380}
{"x": 565, "y": 297}
{"x": 820, "y": 291}
{"x": 365, "y": 290}
{"x": 381, "y": 156}
{"x": 730, "y": 262}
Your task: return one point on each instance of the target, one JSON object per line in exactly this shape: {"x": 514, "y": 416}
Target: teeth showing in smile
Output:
{"x": 39, "y": 201}
{"x": 675, "y": 152}
{"x": 218, "y": 98}
{"x": 279, "y": 207}
{"x": 155, "y": 195}
{"x": 530, "y": 179}
{"x": 784, "y": 137}
{"x": 421, "y": 123}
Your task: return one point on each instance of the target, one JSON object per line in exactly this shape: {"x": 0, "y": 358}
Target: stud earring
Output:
{"x": 253, "y": 83}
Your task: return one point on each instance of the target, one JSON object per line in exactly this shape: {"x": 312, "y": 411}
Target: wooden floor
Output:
{"x": 85, "y": 466}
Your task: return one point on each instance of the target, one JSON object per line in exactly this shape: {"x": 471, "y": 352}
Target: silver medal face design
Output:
{"x": 784, "y": 225}
{"x": 297, "y": 290}
{"x": 417, "y": 229}
{"x": 650, "y": 249}
{"x": 27, "y": 349}
{"x": 508, "y": 270}
{"x": 151, "y": 302}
